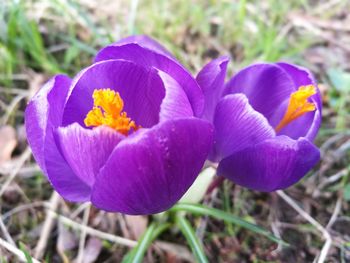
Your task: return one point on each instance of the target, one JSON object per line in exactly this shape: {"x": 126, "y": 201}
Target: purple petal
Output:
{"x": 145, "y": 54}
{"x": 146, "y": 42}
{"x": 150, "y": 170}
{"x": 309, "y": 124}
{"x": 237, "y": 126}
{"x": 265, "y": 85}
{"x": 211, "y": 79}
{"x": 62, "y": 177}
{"x": 43, "y": 114}
{"x": 36, "y": 116}
{"x": 85, "y": 150}
{"x": 175, "y": 104}
{"x": 271, "y": 165}
{"x": 141, "y": 89}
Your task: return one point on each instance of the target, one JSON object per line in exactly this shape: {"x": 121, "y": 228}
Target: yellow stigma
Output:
{"x": 108, "y": 110}
{"x": 298, "y": 105}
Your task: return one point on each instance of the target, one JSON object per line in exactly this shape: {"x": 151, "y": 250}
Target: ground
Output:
{"x": 41, "y": 38}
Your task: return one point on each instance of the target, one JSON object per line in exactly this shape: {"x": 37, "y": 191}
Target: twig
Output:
{"x": 330, "y": 180}
{"x": 12, "y": 106}
{"x": 24, "y": 156}
{"x": 6, "y": 233}
{"x": 14, "y": 76}
{"x": 3, "y": 105}
{"x": 276, "y": 232}
{"x": 13, "y": 90}
{"x": 106, "y": 236}
{"x": 284, "y": 32}
{"x": 93, "y": 232}
{"x": 335, "y": 25}
{"x": 83, "y": 235}
{"x": 81, "y": 208}
{"x": 47, "y": 227}
{"x": 328, "y": 5}
{"x": 311, "y": 220}
{"x": 21, "y": 208}
{"x": 273, "y": 218}
{"x": 57, "y": 48}
{"x": 304, "y": 23}
{"x": 330, "y": 141}
{"x": 335, "y": 214}
{"x": 17, "y": 252}
{"x": 342, "y": 150}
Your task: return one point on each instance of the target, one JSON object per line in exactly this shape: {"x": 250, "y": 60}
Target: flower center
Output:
{"x": 298, "y": 105}
{"x": 108, "y": 110}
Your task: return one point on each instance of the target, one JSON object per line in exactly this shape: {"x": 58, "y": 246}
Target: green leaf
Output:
{"x": 26, "y": 253}
{"x": 137, "y": 253}
{"x": 191, "y": 238}
{"x": 218, "y": 214}
{"x": 347, "y": 192}
{"x": 340, "y": 79}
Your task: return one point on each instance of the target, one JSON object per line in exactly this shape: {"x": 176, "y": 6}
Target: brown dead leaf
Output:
{"x": 136, "y": 225}
{"x": 8, "y": 142}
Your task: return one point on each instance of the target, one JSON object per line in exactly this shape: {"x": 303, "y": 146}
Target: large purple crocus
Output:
{"x": 123, "y": 132}
{"x": 266, "y": 118}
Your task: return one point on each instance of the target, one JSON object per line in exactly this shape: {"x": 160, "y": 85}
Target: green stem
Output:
{"x": 227, "y": 217}
{"x": 137, "y": 253}
{"x": 191, "y": 238}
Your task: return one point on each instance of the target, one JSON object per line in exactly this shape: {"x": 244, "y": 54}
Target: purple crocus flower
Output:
{"x": 123, "y": 132}
{"x": 266, "y": 118}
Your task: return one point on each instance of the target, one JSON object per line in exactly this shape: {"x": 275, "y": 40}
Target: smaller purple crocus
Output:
{"x": 123, "y": 133}
{"x": 266, "y": 118}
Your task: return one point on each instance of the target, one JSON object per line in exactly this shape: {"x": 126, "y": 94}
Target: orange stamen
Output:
{"x": 298, "y": 105}
{"x": 108, "y": 110}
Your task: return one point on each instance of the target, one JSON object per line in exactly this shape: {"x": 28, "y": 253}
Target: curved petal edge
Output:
{"x": 149, "y": 172}
{"x": 87, "y": 150}
{"x": 211, "y": 79}
{"x": 237, "y": 126}
{"x": 270, "y": 165}
{"x": 42, "y": 116}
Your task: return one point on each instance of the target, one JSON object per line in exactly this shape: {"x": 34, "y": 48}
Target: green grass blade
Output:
{"x": 137, "y": 253}
{"x": 191, "y": 238}
{"x": 23, "y": 35}
{"x": 26, "y": 253}
{"x": 218, "y": 214}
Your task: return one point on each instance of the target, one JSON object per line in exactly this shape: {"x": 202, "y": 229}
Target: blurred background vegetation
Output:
{"x": 39, "y": 38}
